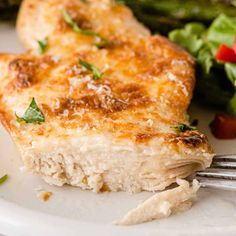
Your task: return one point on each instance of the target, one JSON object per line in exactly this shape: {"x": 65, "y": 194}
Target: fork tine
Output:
{"x": 217, "y": 183}
{"x": 218, "y": 173}
{"x": 223, "y": 164}
{"x": 221, "y": 174}
{"x": 230, "y": 157}
{"x": 224, "y": 161}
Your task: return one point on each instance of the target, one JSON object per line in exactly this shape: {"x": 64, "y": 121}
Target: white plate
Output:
{"x": 71, "y": 211}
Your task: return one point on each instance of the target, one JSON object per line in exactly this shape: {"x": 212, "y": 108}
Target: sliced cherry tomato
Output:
{"x": 224, "y": 126}
{"x": 226, "y": 54}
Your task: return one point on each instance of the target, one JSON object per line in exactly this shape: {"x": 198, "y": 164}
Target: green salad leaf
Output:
{"x": 216, "y": 82}
{"x": 231, "y": 106}
{"x": 32, "y": 115}
{"x": 204, "y": 43}
{"x": 231, "y": 72}
{"x": 205, "y": 58}
{"x": 195, "y": 28}
{"x": 189, "y": 37}
{"x": 222, "y": 30}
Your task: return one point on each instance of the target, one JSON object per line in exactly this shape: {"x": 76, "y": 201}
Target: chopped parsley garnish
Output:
{"x": 96, "y": 73}
{"x": 102, "y": 43}
{"x": 32, "y": 115}
{"x": 3, "y": 179}
{"x": 183, "y": 127}
{"x": 43, "y": 45}
{"x": 75, "y": 26}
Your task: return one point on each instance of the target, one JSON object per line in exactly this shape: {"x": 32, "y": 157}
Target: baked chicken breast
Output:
{"x": 102, "y": 118}
{"x": 97, "y": 22}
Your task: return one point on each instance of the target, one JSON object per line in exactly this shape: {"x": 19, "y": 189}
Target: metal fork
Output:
{"x": 221, "y": 174}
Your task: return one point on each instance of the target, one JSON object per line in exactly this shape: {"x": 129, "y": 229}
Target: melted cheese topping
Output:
{"x": 138, "y": 101}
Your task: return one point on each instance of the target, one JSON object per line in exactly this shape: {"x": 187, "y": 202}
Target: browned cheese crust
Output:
{"x": 145, "y": 89}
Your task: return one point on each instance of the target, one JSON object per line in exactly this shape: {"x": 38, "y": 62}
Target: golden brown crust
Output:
{"x": 146, "y": 88}
{"x": 192, "y": 139}
{"x": 24, "y": 71}
{"x": 77, "y": 15}
{"x": 114, "y": 22}
{"x": 147, "y": 81}
{"x": 5, "y": 120}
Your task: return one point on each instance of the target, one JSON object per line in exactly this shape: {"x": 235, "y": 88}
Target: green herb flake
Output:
{"x": 32, "y": 115}
{"x": 96, "y": 73}
{"x": 74, "y": 25}
{"x": 183, "y": 127}
{"x": 3, "y": 179}
{"x": 102, "y": 43}
{"x": 43, "y": 45}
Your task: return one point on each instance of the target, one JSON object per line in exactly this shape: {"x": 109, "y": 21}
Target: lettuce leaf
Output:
{"x": 230, "y": 70}
{"x": 216, "y": 82}
{"x": 189, "y": 37}
{"x": 222, "y": 30}
{"x": 231, "y": 73}
{"x": 205, "y": 59}
{"x": 231, "y": 107}
{"x": 203, "y": 43}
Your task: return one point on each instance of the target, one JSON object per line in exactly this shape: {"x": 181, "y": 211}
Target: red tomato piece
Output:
{"x": 234, "y": 47}
{"x": 223, "y": 126}
{"x": 226, "y": 54}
